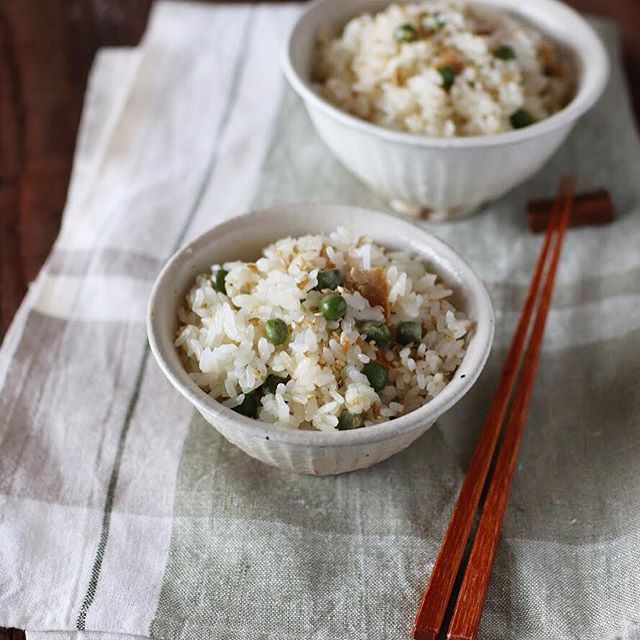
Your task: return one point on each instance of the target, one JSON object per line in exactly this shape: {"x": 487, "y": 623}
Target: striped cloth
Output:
{"x": 123, "y": 513}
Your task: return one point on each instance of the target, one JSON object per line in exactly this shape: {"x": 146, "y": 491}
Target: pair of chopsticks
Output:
{"x": 473, "y": 590}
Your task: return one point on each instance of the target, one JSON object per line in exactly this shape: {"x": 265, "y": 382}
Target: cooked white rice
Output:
{"x": 222, "y": 338}
{"x": 369, "y": 73}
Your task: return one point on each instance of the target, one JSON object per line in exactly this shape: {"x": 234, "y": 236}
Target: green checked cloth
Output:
{"x": 123, "y": 513}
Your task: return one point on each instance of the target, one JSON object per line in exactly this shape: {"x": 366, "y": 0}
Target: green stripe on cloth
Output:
{"x": 245, "y": 36}
{"x": 108, "y": 505}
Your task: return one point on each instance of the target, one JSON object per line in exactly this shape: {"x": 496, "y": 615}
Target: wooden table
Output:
{"x": 46, "y": 50}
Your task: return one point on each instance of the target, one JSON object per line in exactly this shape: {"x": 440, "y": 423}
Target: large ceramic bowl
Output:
{"x": 316, "y": 452}
{"x": 443, "y": 178}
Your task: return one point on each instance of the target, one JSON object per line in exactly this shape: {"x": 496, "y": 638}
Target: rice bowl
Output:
{"x": 444, "y": 177}
{"x": 300, "y": 450}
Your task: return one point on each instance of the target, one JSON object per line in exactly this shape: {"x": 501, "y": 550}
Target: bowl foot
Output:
{"x": 419, "y": 212}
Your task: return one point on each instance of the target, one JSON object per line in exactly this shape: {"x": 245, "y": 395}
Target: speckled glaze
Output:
{"x": 314, "y": 452}
{"x": 445, "y": 178}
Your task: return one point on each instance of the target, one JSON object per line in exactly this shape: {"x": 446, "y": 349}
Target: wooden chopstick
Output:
{"x": 471, "y": 597}
{"x": 435, "y": 598}
{"x": 436, "y": 595}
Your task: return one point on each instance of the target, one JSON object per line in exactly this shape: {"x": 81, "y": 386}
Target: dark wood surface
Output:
{"x": 46, "y": 50}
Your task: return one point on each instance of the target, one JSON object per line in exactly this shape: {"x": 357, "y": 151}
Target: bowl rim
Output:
{"x": 596, "y": 57}
{"x": 472, "y": 364}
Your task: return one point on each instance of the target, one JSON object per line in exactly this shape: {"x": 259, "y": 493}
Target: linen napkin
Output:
{"x": 122, "y": 513}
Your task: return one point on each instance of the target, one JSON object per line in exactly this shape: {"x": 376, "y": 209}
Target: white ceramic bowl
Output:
{"x": 315, "y": 452}
{"x": 442, "y": 178}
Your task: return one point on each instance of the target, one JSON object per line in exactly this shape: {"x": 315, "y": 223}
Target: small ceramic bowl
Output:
{"x": 444, "y": 178}
{"x": 316, "y": 452}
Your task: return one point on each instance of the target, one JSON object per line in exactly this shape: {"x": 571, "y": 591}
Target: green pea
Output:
{"x": 348, "y": 421}
{"x": 504, "y": 52}
{"x": 329, "y": 279}
{"x": 333, "y": 306}
{"x": 271, "y": 383}
{"x": 376, "y": 332}
{"x": 376, "y": 375}
{"x": 276, "y": 330}
{"x": 249, "y": 406}
{"x": 448, "y": 76}
{"x": 407, "y": 332}
{"x": 521, "y": 118}
{"x": 405, "y": 33}
{"x": 219, "y": 283}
